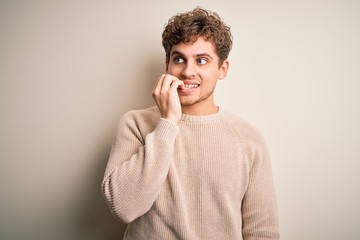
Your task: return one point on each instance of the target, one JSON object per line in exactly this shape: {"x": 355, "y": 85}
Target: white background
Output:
{"x": 70, "y": 69}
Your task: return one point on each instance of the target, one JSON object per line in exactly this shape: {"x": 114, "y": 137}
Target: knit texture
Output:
{"x": 207, "y": 177}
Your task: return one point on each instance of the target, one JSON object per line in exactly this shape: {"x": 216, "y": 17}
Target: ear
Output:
{"x": 223, "y": 69}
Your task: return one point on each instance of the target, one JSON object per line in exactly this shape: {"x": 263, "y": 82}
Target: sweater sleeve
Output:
{"x": 259, "y": 209}
{"x": 137, "y": 167}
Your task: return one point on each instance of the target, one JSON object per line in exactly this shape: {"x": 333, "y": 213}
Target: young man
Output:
{"x": 188, "y": 169}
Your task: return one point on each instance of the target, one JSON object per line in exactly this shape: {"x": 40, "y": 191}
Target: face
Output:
{"x": 197, "y": 65}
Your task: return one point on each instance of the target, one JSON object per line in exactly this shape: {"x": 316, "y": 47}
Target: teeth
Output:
{"x": 191, "y": 86}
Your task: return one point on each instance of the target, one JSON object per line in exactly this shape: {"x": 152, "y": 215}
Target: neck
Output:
{"x": 199, "y": 109}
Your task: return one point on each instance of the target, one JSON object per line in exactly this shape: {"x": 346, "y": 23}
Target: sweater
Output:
{"x": 207, "y": 177}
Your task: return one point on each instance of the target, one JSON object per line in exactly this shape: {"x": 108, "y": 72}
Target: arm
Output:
{"x": 259, "y": 210}
{"x": 138, "y": 165}
{"x": 137, "y": 168}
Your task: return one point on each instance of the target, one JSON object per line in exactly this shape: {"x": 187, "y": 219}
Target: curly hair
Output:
{"x": 189, "y": 26}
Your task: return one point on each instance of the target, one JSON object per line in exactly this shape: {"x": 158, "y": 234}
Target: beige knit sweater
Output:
{"x": 208, "y": 177}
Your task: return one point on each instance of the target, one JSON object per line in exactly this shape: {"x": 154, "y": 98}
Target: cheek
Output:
{"x": 209, "y": 76}
{"x": 172, "y": 70}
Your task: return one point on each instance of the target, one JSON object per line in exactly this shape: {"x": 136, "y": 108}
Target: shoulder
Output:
{"x": 146, "y": 118}
{"x": 150, "y": 113}
{"x": 245, "y": 131}
{"x": 249, "y": 137}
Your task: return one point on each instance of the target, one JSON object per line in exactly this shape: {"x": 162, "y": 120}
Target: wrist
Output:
{"x": 173, "y": 118}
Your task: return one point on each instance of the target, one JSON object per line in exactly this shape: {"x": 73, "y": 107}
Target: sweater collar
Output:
{"x": 202, "y": 118}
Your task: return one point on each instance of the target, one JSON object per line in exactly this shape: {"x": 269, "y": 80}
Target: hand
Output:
{"x": 166, "y": 97}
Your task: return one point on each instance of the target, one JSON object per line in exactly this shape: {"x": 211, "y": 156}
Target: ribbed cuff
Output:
{"x": 166, "y": 130}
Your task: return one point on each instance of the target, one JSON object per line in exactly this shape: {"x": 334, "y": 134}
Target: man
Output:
{"x": 186, "y": 168}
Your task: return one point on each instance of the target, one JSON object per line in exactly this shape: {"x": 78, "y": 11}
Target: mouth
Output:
{"x": 189, "y": 86}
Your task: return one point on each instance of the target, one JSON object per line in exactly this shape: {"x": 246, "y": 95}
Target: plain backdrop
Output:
{"x": 70, "y": 69}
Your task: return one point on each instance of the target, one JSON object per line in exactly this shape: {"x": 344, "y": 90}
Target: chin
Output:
{"x": 189, "y": 102}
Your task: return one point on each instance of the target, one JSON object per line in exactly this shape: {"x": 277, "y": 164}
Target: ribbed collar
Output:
{"x": 202, "y": 118}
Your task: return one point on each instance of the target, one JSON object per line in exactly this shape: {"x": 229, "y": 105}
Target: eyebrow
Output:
{"x": 196, "y": 55}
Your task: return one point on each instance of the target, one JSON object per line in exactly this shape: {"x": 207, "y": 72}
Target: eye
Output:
{"x": 178, "y": 60}
{"x": 202, "y": 61}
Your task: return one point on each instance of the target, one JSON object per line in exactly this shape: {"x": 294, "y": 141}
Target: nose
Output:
{"x": 189, "y": 70}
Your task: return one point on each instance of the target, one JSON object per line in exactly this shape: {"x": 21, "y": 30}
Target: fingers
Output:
{"x": 166, "y": 96}
{"x": 159, "y": 85}
{"x": 179, "y": 84}
{"x": 165, "y": 84}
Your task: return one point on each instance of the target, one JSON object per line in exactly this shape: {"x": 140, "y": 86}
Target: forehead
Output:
{"x": 200, "y": 46}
